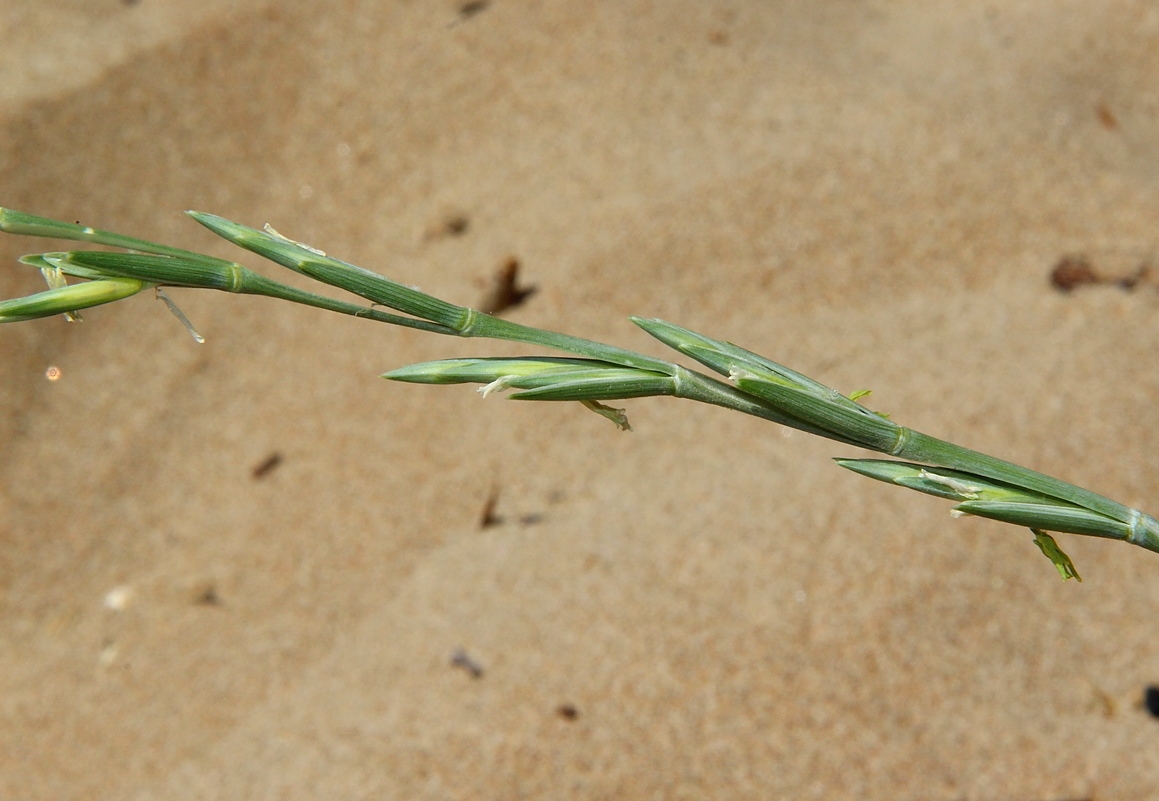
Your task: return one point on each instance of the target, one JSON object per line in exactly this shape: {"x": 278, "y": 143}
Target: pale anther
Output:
{"x": 498, "y": 385}
{"x": 965, "y": 490}
{"x": 198, "y": 338}
{"x": 269, "y": 229}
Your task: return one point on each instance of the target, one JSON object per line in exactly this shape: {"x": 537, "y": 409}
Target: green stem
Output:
{"x": 758, "y": 387}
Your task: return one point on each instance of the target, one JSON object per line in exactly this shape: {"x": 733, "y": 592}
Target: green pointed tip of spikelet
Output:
{"x": 68, "y": 299}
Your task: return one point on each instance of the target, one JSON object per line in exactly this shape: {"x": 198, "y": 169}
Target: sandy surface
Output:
{"x": 872, "y": 193}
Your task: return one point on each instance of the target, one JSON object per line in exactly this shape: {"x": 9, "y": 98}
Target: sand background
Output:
{"x": 872, "y": 193}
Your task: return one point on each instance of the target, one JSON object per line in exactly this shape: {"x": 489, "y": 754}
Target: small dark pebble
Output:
{"x": 567, "y": 711}
{"x": 1106, "y": 116}
{"x": 1072, "y": 272}
{"x": 207, "y": 595}
{"x": 1141, "y": 274}
{"x": 457, "y": 224}
{"x": 1151, "y": 700}
{"x": 267, "y": 465}
{"x": 461, "y": 659}
{"x": 468, "y": 10}
{"x": 453, "y": 224}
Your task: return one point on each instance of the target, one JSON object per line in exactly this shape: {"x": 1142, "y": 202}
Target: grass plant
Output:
{"x": 592, "y": 374}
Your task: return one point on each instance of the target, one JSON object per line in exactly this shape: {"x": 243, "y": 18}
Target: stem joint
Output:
{"x": 902, "y": 443}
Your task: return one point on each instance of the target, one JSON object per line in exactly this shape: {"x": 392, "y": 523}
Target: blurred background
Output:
{"x": 251, "y": 569}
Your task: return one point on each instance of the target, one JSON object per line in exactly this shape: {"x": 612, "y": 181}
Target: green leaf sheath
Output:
{"x": 727, "y": 359}
{"x": 1050, "y": 517}
{"x": 317, "y": 265}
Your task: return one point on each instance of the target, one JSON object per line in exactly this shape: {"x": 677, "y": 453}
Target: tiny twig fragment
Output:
{"x": 505, "y": 292}
{"x": 489, "y": 517}
{"x": 473, "y": 7}
{"x": 1074, "y": 271}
